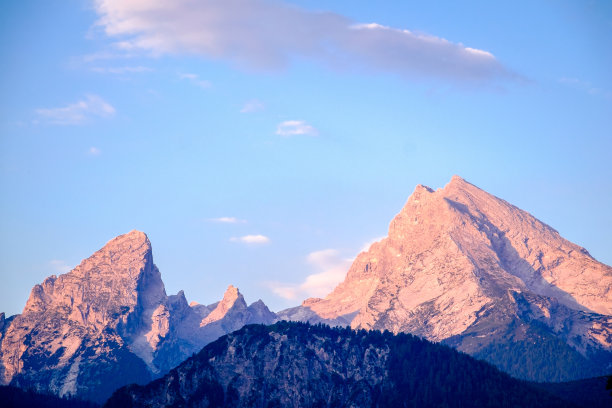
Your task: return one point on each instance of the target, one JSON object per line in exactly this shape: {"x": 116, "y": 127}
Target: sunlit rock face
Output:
{"x": 107, "y": 323}
{"x": 466, "y": 267}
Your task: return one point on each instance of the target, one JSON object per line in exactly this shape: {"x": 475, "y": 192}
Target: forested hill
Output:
{"x": 13, "y": 397}
{"x": 301, "y": 365}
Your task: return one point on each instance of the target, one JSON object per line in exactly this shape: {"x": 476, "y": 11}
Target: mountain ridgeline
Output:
{"x": 292, "y": 364}
{"x": 459, "y": 266}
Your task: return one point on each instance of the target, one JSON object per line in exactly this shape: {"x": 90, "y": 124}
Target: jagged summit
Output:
{"x": 133, "y": 235}
{"x": 231, "y": 298}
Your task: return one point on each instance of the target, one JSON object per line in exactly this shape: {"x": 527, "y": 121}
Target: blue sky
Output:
{"x": 264, "y": 143}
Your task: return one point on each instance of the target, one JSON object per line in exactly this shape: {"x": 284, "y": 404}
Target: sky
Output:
{"x": 265, "y": 143}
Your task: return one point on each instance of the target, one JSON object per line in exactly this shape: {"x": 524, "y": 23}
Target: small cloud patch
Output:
{"x": 121, "y": 70}
{"x": 77, "y": 113}
{"x": 227, "y": 220}
{"x": 94, "y": 151}
{"x": 295, "y": 127}
{"x": 251, "y": 239}
{"x": 195, "y": 80}
{"x": 254, "y": 105}
{"x": 60, "y": 266}
{"x": 329, "y": 270}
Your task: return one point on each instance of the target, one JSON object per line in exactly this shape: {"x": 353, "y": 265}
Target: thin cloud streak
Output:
{"x": 254, "y": 105}
{"x": 77, "y": 113}
{"x": 251, "y": 239}
{"x": 227, "y": 220}
{"x": 121, "y": 70}
{"x": 60, "y": 266}
{"x": 267, "y": 35}
{"x": 586, "y": 86}
{"x": 195, "y": 79}
{"x": 295, "y": 127}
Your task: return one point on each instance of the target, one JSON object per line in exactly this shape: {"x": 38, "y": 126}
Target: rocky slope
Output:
{"x": 109, "y": 322}
{"x": 462, "y": 266}
{"x": 298, "y": 365}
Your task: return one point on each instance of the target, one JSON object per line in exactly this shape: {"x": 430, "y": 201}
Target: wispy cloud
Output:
{"x": 121, "y": 70}
{"x": 251, "y": 106}
{"x": 104, "y": 55}
{"x": 251, "y": 239}
{"x": 295, "y": 127}
{"x": 329, "y": 270}
{"x": 60, "y": 266}
{"x": 195, "y": 79}
{"x": 77, "y": 113}
{"x": 367, "y": 245}
{"x": 94, "y": 151}
{"x": 267, "y": 34}
{"x": 227, "y": 220}
{"x": 586, "y": 86}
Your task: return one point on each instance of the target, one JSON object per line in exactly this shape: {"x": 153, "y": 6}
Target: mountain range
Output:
{"x": 459, "y": 266}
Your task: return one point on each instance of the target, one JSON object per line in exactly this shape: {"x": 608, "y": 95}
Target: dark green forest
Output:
{"x": 13, "y": 397}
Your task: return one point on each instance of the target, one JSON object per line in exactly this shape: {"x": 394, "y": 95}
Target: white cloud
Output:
{"x": 295, "y": 127}
{"x": 227, "y": 220}
{"x": 268, "y": 34}
{"x": 367, "y": 245}
{"x": 251, "y": 106}
{"x": 121, "y": 70}
{"x": 251, "y": 239}
{"x": 94, "y": 151}
{"x": 195, "y": 79}
{"x": 60, "y": 266}
{"x": 286, "y": 292}
{"x": 329, "y": 270}
{"x": 78, "y": 112}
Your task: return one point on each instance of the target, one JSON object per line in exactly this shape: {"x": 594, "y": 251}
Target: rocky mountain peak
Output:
{"x": 120, "y": 274}
{"x": 453, "y": 256}
{"x": 121, "y": 254}
{"x": 100, "y": 312}
{"x": 109, "y": 322}
{"x": 232, "y": 299}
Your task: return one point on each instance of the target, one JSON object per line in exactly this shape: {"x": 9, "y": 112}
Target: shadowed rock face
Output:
{"x": 107, "y": 323}
{"x": 454, "y": 263}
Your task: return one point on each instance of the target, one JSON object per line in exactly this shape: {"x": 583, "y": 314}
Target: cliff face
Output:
{"x": 464, "y": 266}
{"x": 107, "y": 323}
{"x": 298, "y": 365}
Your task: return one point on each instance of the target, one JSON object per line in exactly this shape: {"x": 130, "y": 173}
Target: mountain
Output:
{"x": 108, "y": 323}
{"x": 462, "y": 266}
{"x": 293, "y": 364}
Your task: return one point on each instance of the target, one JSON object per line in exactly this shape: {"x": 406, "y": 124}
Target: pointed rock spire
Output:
{"x": 231, "y": 299}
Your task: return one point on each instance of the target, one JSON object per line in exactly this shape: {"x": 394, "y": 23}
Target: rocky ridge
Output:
{"x": 463, "y": 266}
{"x": 109, "y": 322}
